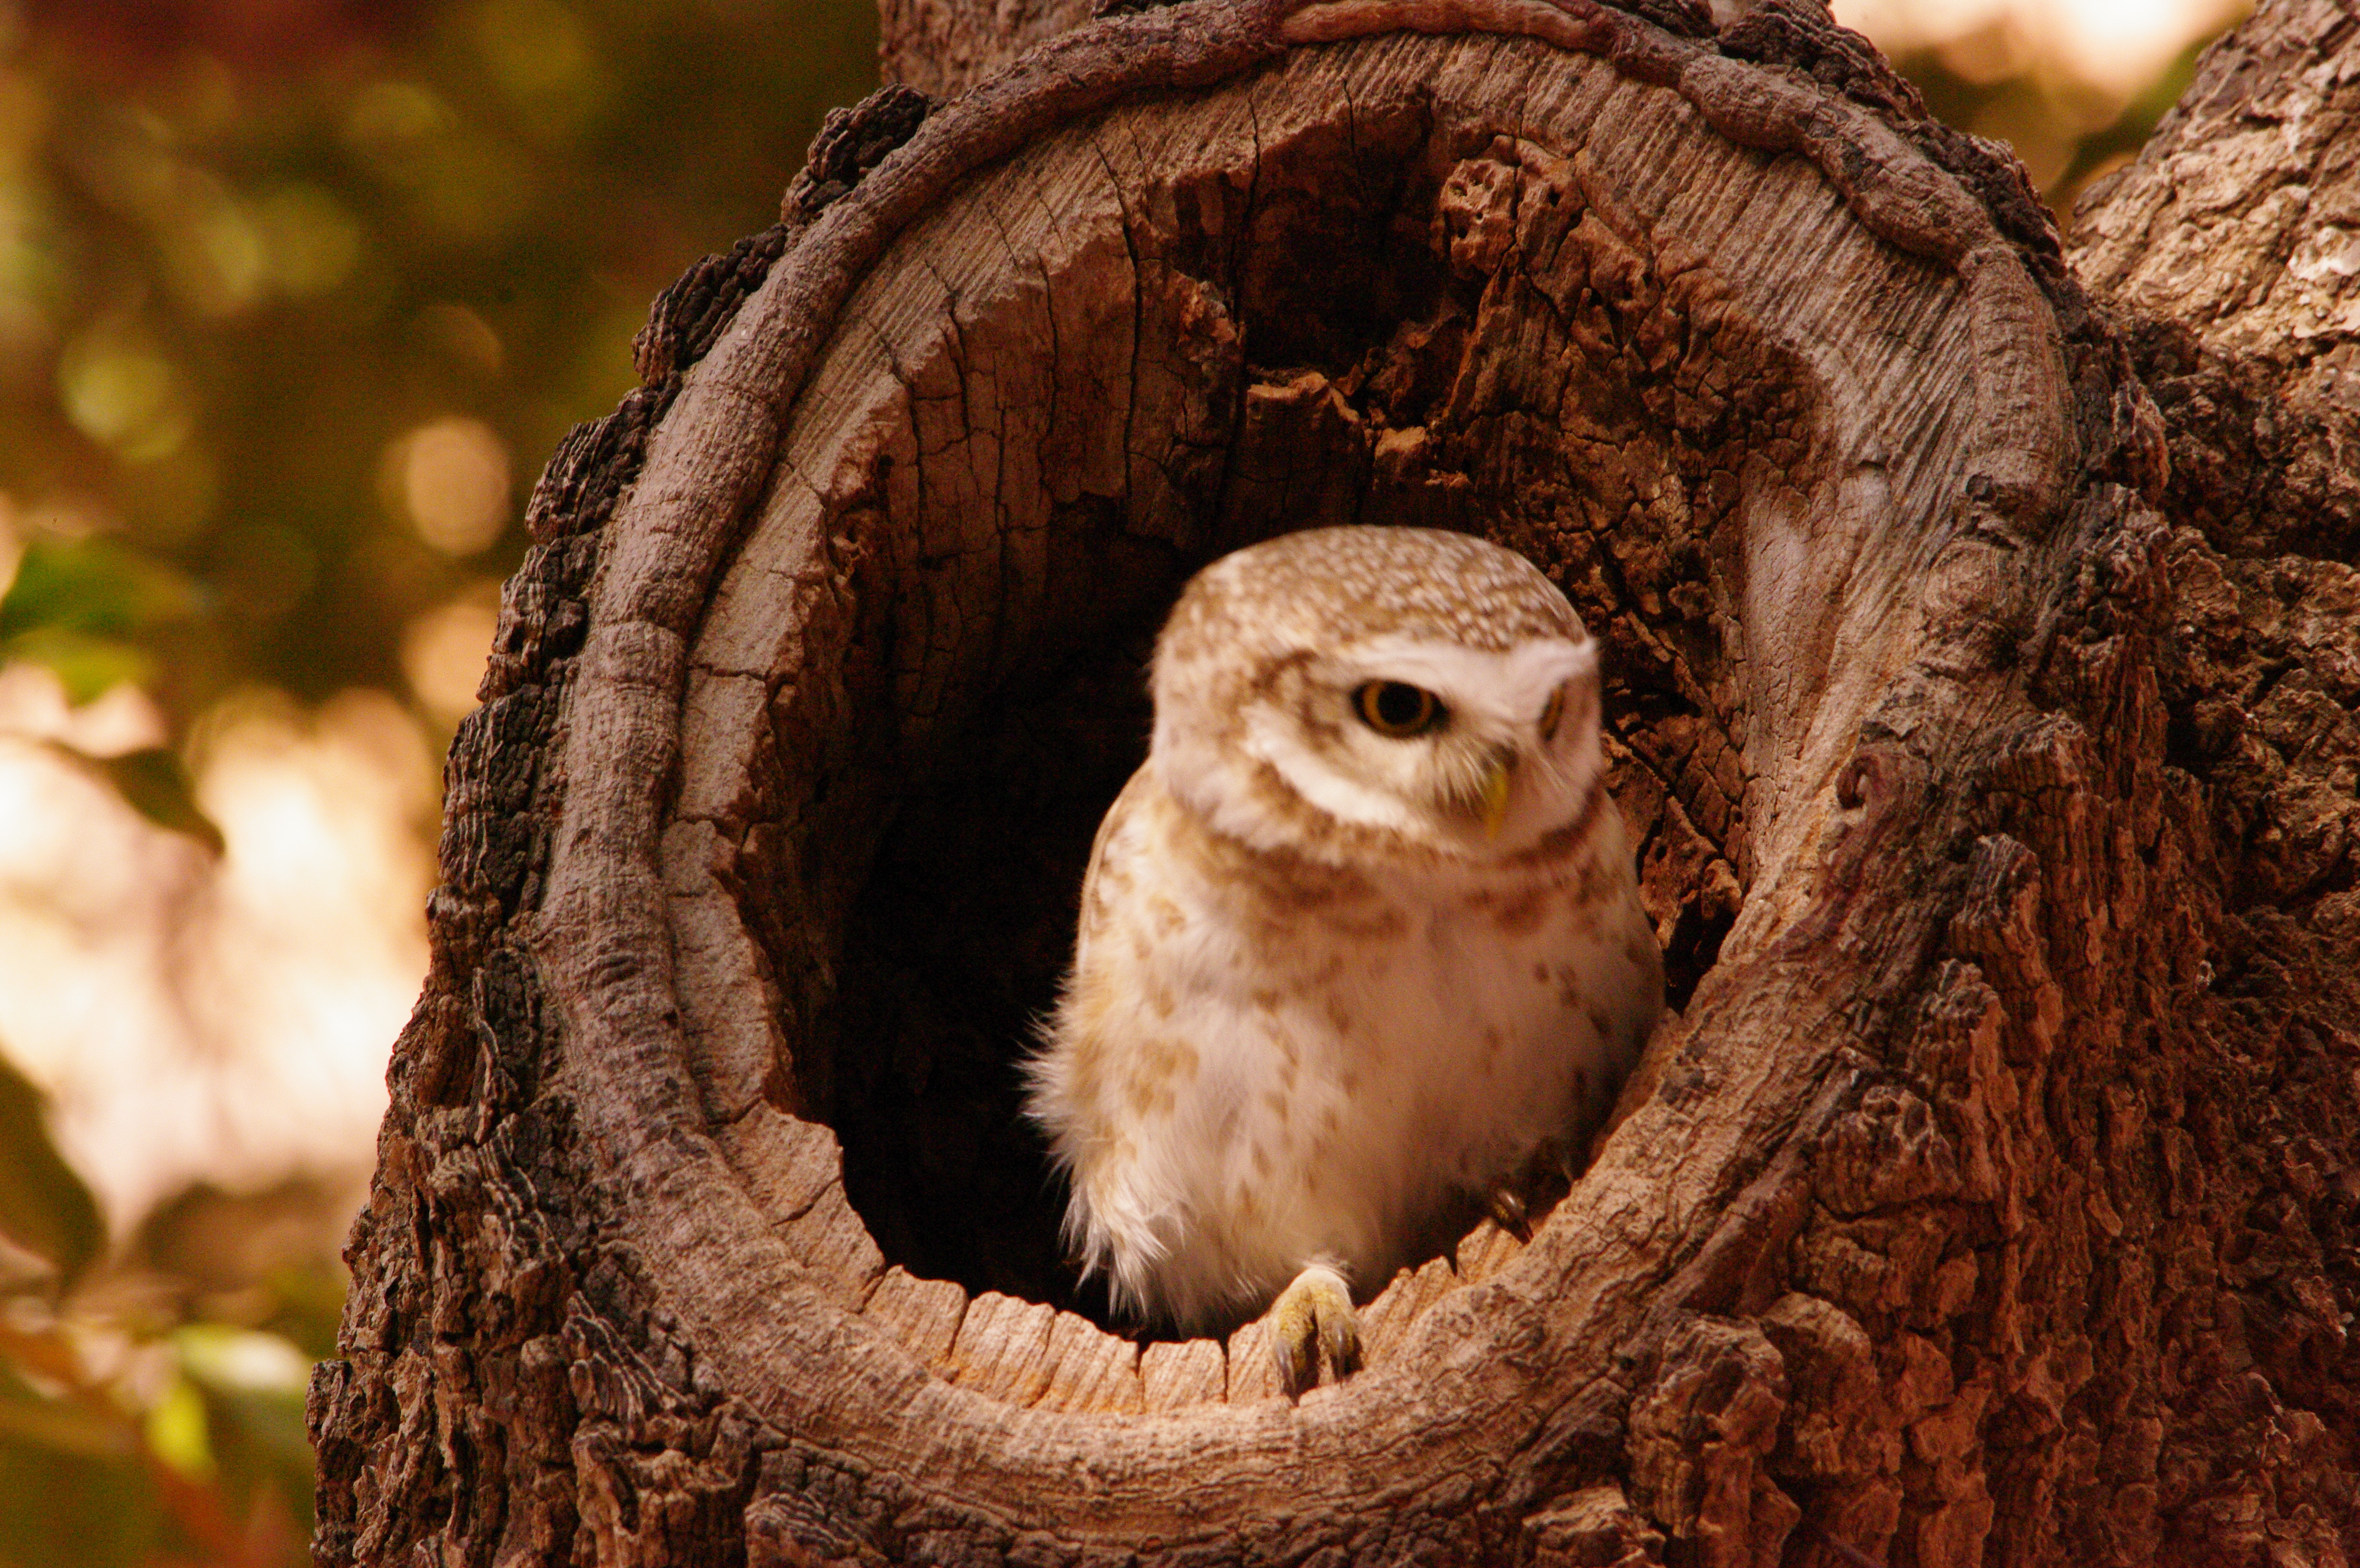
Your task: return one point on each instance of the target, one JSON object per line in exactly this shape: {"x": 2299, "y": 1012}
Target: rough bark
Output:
{"x": 1991, "y": 1196}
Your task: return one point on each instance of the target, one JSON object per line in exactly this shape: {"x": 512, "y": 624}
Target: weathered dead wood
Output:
{"x": 1913, "y": 1240}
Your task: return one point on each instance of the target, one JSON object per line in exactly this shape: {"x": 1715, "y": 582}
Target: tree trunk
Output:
{"x": 1986, "y": 722}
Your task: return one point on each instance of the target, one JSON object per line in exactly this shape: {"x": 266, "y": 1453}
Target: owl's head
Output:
{"x": 1354, "y": 693}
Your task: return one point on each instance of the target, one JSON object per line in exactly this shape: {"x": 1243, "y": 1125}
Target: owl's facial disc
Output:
{"x": 1462, "y": 749}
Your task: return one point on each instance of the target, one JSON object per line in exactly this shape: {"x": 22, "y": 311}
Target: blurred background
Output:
{"x": 295, "y": 298}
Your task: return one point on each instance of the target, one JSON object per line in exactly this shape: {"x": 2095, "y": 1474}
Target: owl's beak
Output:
{"x": 1497, "y": 778}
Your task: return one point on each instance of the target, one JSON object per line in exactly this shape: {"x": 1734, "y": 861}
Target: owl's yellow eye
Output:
{"x": 1552, "y": 713}
{"x": 1398, "y": 709}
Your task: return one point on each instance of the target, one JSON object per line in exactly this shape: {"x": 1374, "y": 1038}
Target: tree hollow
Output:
{"x": 1483, "y": 282}
{"x": 829, "y": 658}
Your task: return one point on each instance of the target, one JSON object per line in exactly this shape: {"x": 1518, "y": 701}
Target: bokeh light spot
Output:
{"x": 444, "y": 651}
{"x": 216, "y": 254}
{"x": 453, "y": 478}
{"x": 387, "y": 119}
{"x": 124, "y": 395}
{"x": 542, "y": 56}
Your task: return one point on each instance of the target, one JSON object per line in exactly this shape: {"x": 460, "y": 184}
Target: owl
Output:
{"x": 1357, "y": 941}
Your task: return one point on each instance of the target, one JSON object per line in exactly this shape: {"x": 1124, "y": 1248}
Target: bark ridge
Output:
{"x": 824, "y": 661}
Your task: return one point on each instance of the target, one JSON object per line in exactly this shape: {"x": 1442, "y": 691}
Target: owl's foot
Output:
{"x": 1506, "y": 1207}
{"x": 1313, "y": 1317}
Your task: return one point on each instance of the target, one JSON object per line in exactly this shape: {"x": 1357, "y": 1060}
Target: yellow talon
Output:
{"x": 1313, "y": 1317}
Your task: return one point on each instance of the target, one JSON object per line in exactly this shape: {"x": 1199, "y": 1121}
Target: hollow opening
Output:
{"x": 1399, "y": 357}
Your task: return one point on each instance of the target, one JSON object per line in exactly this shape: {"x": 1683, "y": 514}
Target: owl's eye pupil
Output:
{"x": 1399, "y": 709}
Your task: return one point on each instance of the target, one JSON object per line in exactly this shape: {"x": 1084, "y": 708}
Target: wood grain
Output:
{"x": 825, "y": 663}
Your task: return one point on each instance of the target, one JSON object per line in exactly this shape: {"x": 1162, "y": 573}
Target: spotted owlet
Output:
{"x": 1358, "y": 940}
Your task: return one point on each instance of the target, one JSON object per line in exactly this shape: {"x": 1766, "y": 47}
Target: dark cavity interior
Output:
{"x": 1368, "y": 389}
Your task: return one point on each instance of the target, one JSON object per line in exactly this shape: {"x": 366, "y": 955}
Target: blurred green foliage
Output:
{"x": 148, "y": 1416}
{"x": 248, "y": 250}
{"x": 44, "y": 1206}
{"x": 246, "y": 244}
{"x": 2066, "y": 132}
{"x": 90, "y": 609}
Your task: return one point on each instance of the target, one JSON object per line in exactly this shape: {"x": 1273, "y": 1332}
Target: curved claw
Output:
{"x": 1506, "y": 1207}
{"x": 1313, "y": 1317}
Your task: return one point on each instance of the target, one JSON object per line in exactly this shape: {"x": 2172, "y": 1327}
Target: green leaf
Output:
{"x": 81, "y": 606}
{"x": 44, "y": 1206}
{"x": 176, "y": 1430}
{"x": 88, "y": 667}
{"x": 156, "y": 784}
{"x": 94, "y": 587}
{"x": 254, "y": 1387}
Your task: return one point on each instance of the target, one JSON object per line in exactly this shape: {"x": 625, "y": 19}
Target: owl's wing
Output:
{"x": 1108, "y": 1226}
{"x": 1125, "y": 804}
